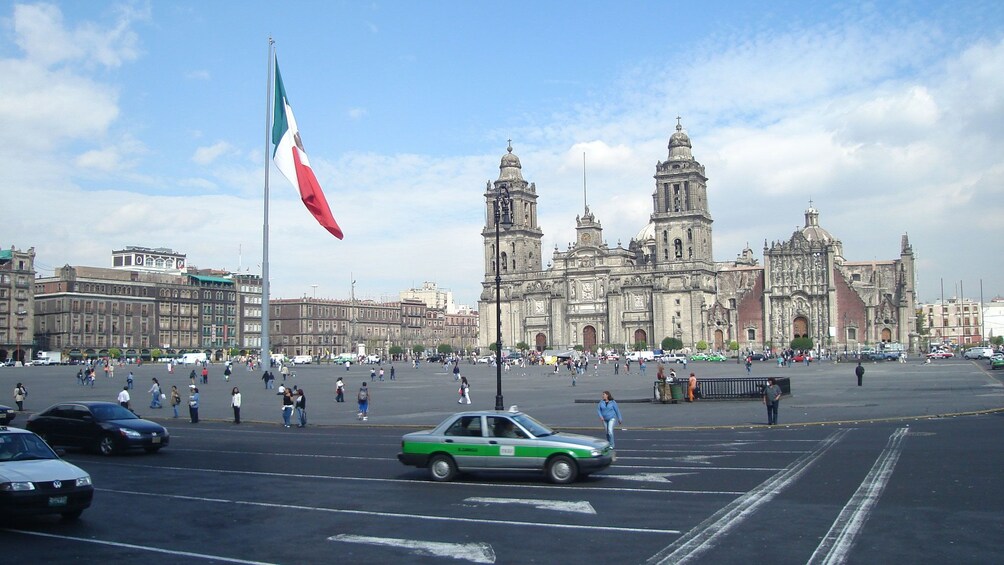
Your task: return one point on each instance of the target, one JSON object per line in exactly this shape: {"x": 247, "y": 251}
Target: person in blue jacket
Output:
{"x": 609, "y": 414}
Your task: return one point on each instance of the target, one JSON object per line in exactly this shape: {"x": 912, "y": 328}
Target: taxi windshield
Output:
{"x": 24, "y": 447}
{"x": 535, "y": 428}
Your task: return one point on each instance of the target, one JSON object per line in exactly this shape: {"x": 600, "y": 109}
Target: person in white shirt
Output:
{"x": 235, "y": 401}
{"x": 124, "y": 397}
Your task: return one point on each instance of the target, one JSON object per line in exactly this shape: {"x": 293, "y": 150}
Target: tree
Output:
{"x": 156, "y": 353}
{"x": 444, "y": 348}
{"x": 672, "y": 343}
{"x": 733, "y": 345}
{"x": 801, "y": 343}
{"x": 702, "y": 345}
{"x": 578, "y": 348}
{"x": 640, "y": 346}
{"x": 115, "y": 353}
{"x": 417, "y": 349}
{"x": 395, "y": 350}
{"x": 522, "y": 347}
{"x": 998, "y": 340}
{"x": 494, "y": 346}
{"x": 921, "y": 323}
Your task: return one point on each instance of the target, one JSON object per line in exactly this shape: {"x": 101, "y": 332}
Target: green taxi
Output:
{"x": 491, "y": 440}
{"x": 997, "y": 361}
{"x": 718, "y": 357}
{"x": 699, "y": 357}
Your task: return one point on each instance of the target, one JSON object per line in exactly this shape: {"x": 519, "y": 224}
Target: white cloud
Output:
{"x": 208, "y": 154}
{"x": 357, "y": 113}
{"x": 198, "y": 74}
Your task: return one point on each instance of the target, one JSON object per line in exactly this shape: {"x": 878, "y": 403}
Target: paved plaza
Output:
{"x": 423, "y": 396}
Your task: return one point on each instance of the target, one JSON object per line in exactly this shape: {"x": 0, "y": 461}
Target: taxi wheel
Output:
{"x": 561, "y": 469}
{"x": 442, "y": 468}
{"x": 106, "y": 445}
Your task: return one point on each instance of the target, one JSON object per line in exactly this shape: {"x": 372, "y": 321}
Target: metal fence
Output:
{"x": 737, "y": 388}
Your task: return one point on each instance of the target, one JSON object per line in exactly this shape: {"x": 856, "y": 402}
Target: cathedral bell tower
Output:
{"x": 519, "y": 244}
{"x": 680, "y": 215}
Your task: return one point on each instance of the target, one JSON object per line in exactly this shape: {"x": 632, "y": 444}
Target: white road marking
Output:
{"x": 700, "y": 459}
{"x": 674, "y": 467}
{"x": 837, "y": 542}
{"x": 141, "y": 547}
{"x": 695, "y": 542}
{"x": 391, "y": 514}
{"x": 582, "y": 507}
{"x": 647, "y": 477}
{"x": 430, "y": 484}
{"x": 473, "y": 552}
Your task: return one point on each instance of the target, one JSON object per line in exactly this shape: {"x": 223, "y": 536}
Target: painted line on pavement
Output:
{"x": 474, "y": 552}
{"x": 141, "y": 547}
{"x": 578, "y": 506}
{"x": 695, "y": 542}
{"x": 840, "y": 539}
{"x": 433, "y": 484}
{"x": 285, "y": 506}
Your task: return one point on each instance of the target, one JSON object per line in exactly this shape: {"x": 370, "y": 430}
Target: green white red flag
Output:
{"x": 292, "y": 162}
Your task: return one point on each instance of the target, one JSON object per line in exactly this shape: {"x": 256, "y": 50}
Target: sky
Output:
{"x": 143, "y": 123}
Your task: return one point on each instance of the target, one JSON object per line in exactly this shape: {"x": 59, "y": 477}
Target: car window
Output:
{"x": 23, "y": 447}
{"x": 533, "y": 426}
{"x": 500, "y": 426}
{"x": 105, "y": 412}
{"x": 76, "y": 413}
{"x": 469, "y": 426}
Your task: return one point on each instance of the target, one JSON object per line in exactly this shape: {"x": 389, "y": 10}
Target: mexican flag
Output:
{"x": 291, "y": 159}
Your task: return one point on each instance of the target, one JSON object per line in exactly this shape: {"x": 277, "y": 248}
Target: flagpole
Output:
{"x": 266, "y": 358}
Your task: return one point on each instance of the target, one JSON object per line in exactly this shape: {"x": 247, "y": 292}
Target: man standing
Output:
{"x": 124, "y": 397}
{"x": 771, "y": 398}
{"x": 860, "y": 372}
{"x": 363, "y": 398}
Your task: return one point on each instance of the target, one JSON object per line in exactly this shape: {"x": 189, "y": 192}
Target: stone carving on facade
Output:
{"x": 587, "y": 290}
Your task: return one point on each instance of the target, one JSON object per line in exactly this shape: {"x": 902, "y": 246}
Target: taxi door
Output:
{"x": 510, "y": 446}
{"x": 465, "y": 441}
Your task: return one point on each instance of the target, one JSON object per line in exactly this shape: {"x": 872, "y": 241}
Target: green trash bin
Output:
{"x": 676, "y": 390}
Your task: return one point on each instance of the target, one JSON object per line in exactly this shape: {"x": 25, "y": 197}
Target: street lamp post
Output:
{"x": 502, "y": 214}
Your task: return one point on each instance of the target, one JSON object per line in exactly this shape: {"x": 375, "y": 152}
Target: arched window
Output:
{"x": 690, "y": 234}
{"x": 505, "y": 261}
{"x": 678, "y": 248}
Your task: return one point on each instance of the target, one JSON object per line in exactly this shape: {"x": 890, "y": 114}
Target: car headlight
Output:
{"x": 84, "y": 481}
{"x": 132, "y": 434}
{"x": 17, "y": 486}
{"x": 596, "y": 453}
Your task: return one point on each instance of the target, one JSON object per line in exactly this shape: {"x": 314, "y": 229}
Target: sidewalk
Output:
{"x": 821, "y": 392}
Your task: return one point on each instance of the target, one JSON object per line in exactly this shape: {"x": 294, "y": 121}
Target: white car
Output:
{"x": 302, "y": 360}
{"x": 674, "y": 358}
{"x": 978, "y": 353}
{"x": 34, "y": 480}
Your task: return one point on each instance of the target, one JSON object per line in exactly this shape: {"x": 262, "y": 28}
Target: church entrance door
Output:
{"x": 589, "y": 338}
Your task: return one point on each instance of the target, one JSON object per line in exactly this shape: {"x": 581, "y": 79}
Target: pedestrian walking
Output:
{"x": 347, "y": 365}
{"x": 129, "y": 380}
{"x": 175, "y": 399}
{"x": 363, "y": 398}
{"x": 617, "y": 367}
{"x": 193, "y": 403}
{"x": 339, "y": 390}
{"x": 381, "y": 373}
{"x": 123, "y": 397}
{"x": 691, "y": 387}
{"x": 226, "y": 374}
{"x": 20, "y": 393}
{"x": 610, "y": 414}
{"x": 205, "y": 375}
{"x": 80, "y": 377}
{"x": 154, "y": 394}
{"x": 287, "y": 406}
{"x": 372, "y": 374}
{"x": 860, "y": 372}
{"x": 392, "y": 371}
{"x": 235, "y": 402}
{"x": 771, "y": 398}
{"x": 456, "y": 371}
{"x": 465, "y": 391}
{"x": 301, "y": 408}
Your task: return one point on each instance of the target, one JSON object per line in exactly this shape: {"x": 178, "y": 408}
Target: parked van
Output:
{"x": 978, "y": 353}
{"x": 192, "y": 358}
{"x": 302, "y": 359}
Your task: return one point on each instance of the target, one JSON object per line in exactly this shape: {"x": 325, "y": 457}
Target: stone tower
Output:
{"x": 680, "y": 215}
{"x": 520, "y": 244}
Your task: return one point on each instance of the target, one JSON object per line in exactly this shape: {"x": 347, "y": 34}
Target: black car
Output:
{"x": 6, "y": 414}
{"x": 103, "y": 426}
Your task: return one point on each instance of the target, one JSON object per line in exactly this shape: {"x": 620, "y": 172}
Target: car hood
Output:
{"x": 576, "y": 439}
{"x": 140, "y": 425}
{"x": 39, "y": 470}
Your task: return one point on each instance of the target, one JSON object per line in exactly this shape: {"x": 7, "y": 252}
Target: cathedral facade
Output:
{"x": 666, "y": 283}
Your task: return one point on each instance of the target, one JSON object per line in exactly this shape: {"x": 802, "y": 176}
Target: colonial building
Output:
{"x": 955, "y": 321}
{"x": 666, "y": 283}
{"x": 17, "y": 305}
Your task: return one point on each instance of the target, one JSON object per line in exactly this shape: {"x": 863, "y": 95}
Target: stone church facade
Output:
{"x": 665, "y": 283}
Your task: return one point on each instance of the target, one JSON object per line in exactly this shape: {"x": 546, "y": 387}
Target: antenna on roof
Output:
{"x": 585, "y": 202}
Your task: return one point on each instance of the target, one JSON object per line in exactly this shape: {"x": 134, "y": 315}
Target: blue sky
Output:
{"x": 142, "y": 123}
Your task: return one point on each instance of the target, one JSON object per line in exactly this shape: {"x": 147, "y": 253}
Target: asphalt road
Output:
{"x": 887, "y": 480}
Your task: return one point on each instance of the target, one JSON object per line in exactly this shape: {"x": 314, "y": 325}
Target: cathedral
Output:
{"x": 666, "y": 283}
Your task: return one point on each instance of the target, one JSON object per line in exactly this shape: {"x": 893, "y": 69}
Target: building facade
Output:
{"x": 17, "y": 305}
{"x": 954, "y": 321}
{"x": 665, "y": 283}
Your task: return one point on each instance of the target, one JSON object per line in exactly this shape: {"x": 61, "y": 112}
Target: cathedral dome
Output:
{"x": 646, "y": 233}
{"x": 679, "y": 145}
{"x": 812, "y": 230}
{"x": 509, "y": 168}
